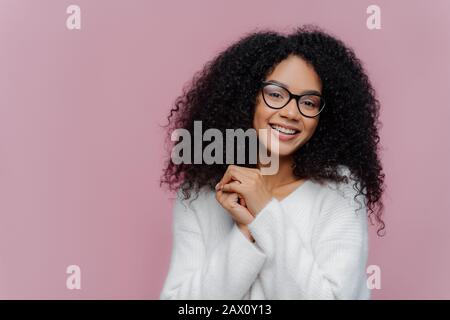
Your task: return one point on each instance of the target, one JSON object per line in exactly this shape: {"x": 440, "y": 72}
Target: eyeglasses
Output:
{"x": 276, "y": 97}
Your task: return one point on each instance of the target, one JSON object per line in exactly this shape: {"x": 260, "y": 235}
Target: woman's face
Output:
{"x": 297, "y": 76}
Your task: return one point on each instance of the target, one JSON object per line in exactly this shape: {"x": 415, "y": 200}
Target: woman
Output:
{"x": 300, "y": 233}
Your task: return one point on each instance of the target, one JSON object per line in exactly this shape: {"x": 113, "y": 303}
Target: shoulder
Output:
{"x": 343, "y": 211}
{"x": 189, "y": 213}
{"x": 342, "y": 203}
{"x": 347, "y": 192}
{"x": 197, "y": 201}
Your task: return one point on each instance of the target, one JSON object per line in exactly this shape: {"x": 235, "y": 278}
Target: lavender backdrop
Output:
{"x": 81, "y": 150}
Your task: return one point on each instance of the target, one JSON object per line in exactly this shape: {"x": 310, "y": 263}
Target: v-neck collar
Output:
{"x": 294, "y": 192}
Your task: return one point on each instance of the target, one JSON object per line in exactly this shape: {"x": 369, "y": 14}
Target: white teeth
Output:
{"x": 283, "y": 129}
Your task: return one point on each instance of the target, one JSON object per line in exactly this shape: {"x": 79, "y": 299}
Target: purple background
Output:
{"x": 81, "y": 150}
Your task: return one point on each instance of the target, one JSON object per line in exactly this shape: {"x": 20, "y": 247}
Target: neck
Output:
{"x": 284, "y": 175}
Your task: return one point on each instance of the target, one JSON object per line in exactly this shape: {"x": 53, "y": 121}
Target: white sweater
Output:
{"x": 313, "y": 244}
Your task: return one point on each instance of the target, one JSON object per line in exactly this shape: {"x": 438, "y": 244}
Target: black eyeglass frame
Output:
{"x": 291, "y": 95}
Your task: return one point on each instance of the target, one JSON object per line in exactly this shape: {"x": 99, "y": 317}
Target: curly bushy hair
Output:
{"x": 224, "y": 95}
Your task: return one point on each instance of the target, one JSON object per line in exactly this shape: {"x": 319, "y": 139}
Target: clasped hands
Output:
{"x": 243, "y": 193}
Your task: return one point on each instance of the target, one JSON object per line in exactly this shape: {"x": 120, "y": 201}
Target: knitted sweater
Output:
{"x": 313, "y": 244}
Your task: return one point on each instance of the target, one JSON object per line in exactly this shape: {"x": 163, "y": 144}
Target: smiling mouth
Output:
{"x": 284, "y": 130}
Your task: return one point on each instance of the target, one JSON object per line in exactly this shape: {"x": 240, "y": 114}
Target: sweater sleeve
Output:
{"x": 227, "y": 272}
{"x": 331, "y": 267}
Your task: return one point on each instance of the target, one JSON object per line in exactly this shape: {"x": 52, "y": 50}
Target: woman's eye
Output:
{"x": 275, "y": 95}
{"x": 309, "y": 104}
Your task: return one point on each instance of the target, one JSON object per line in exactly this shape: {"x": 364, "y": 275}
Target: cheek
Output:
{"x": 310, "y": 126}
{"x": 262, "y": 115}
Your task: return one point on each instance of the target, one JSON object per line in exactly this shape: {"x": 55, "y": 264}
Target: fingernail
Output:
{"x": 218, "y": 186}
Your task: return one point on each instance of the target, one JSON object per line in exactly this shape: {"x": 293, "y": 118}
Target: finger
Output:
{"x": 221, "y": 196}
{"x": 218, "y": 195}
{"x": 242, "y": 201}
{"x": 236, "y": 173}
{"x": 230, "y": 174}
{"x": 233, "y": 182}
{"x": 233, "y": 187}
{"x": 230, "y": 201}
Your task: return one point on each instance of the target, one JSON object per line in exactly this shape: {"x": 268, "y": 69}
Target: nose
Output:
{"x": 290, "y": 111}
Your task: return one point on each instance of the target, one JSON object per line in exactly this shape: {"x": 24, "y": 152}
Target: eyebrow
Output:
{"x": 287, "y": 87}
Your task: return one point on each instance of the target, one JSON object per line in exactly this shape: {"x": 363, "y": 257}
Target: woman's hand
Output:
{"x": 235, "y": 206}
{"x": 248, "y": 183}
